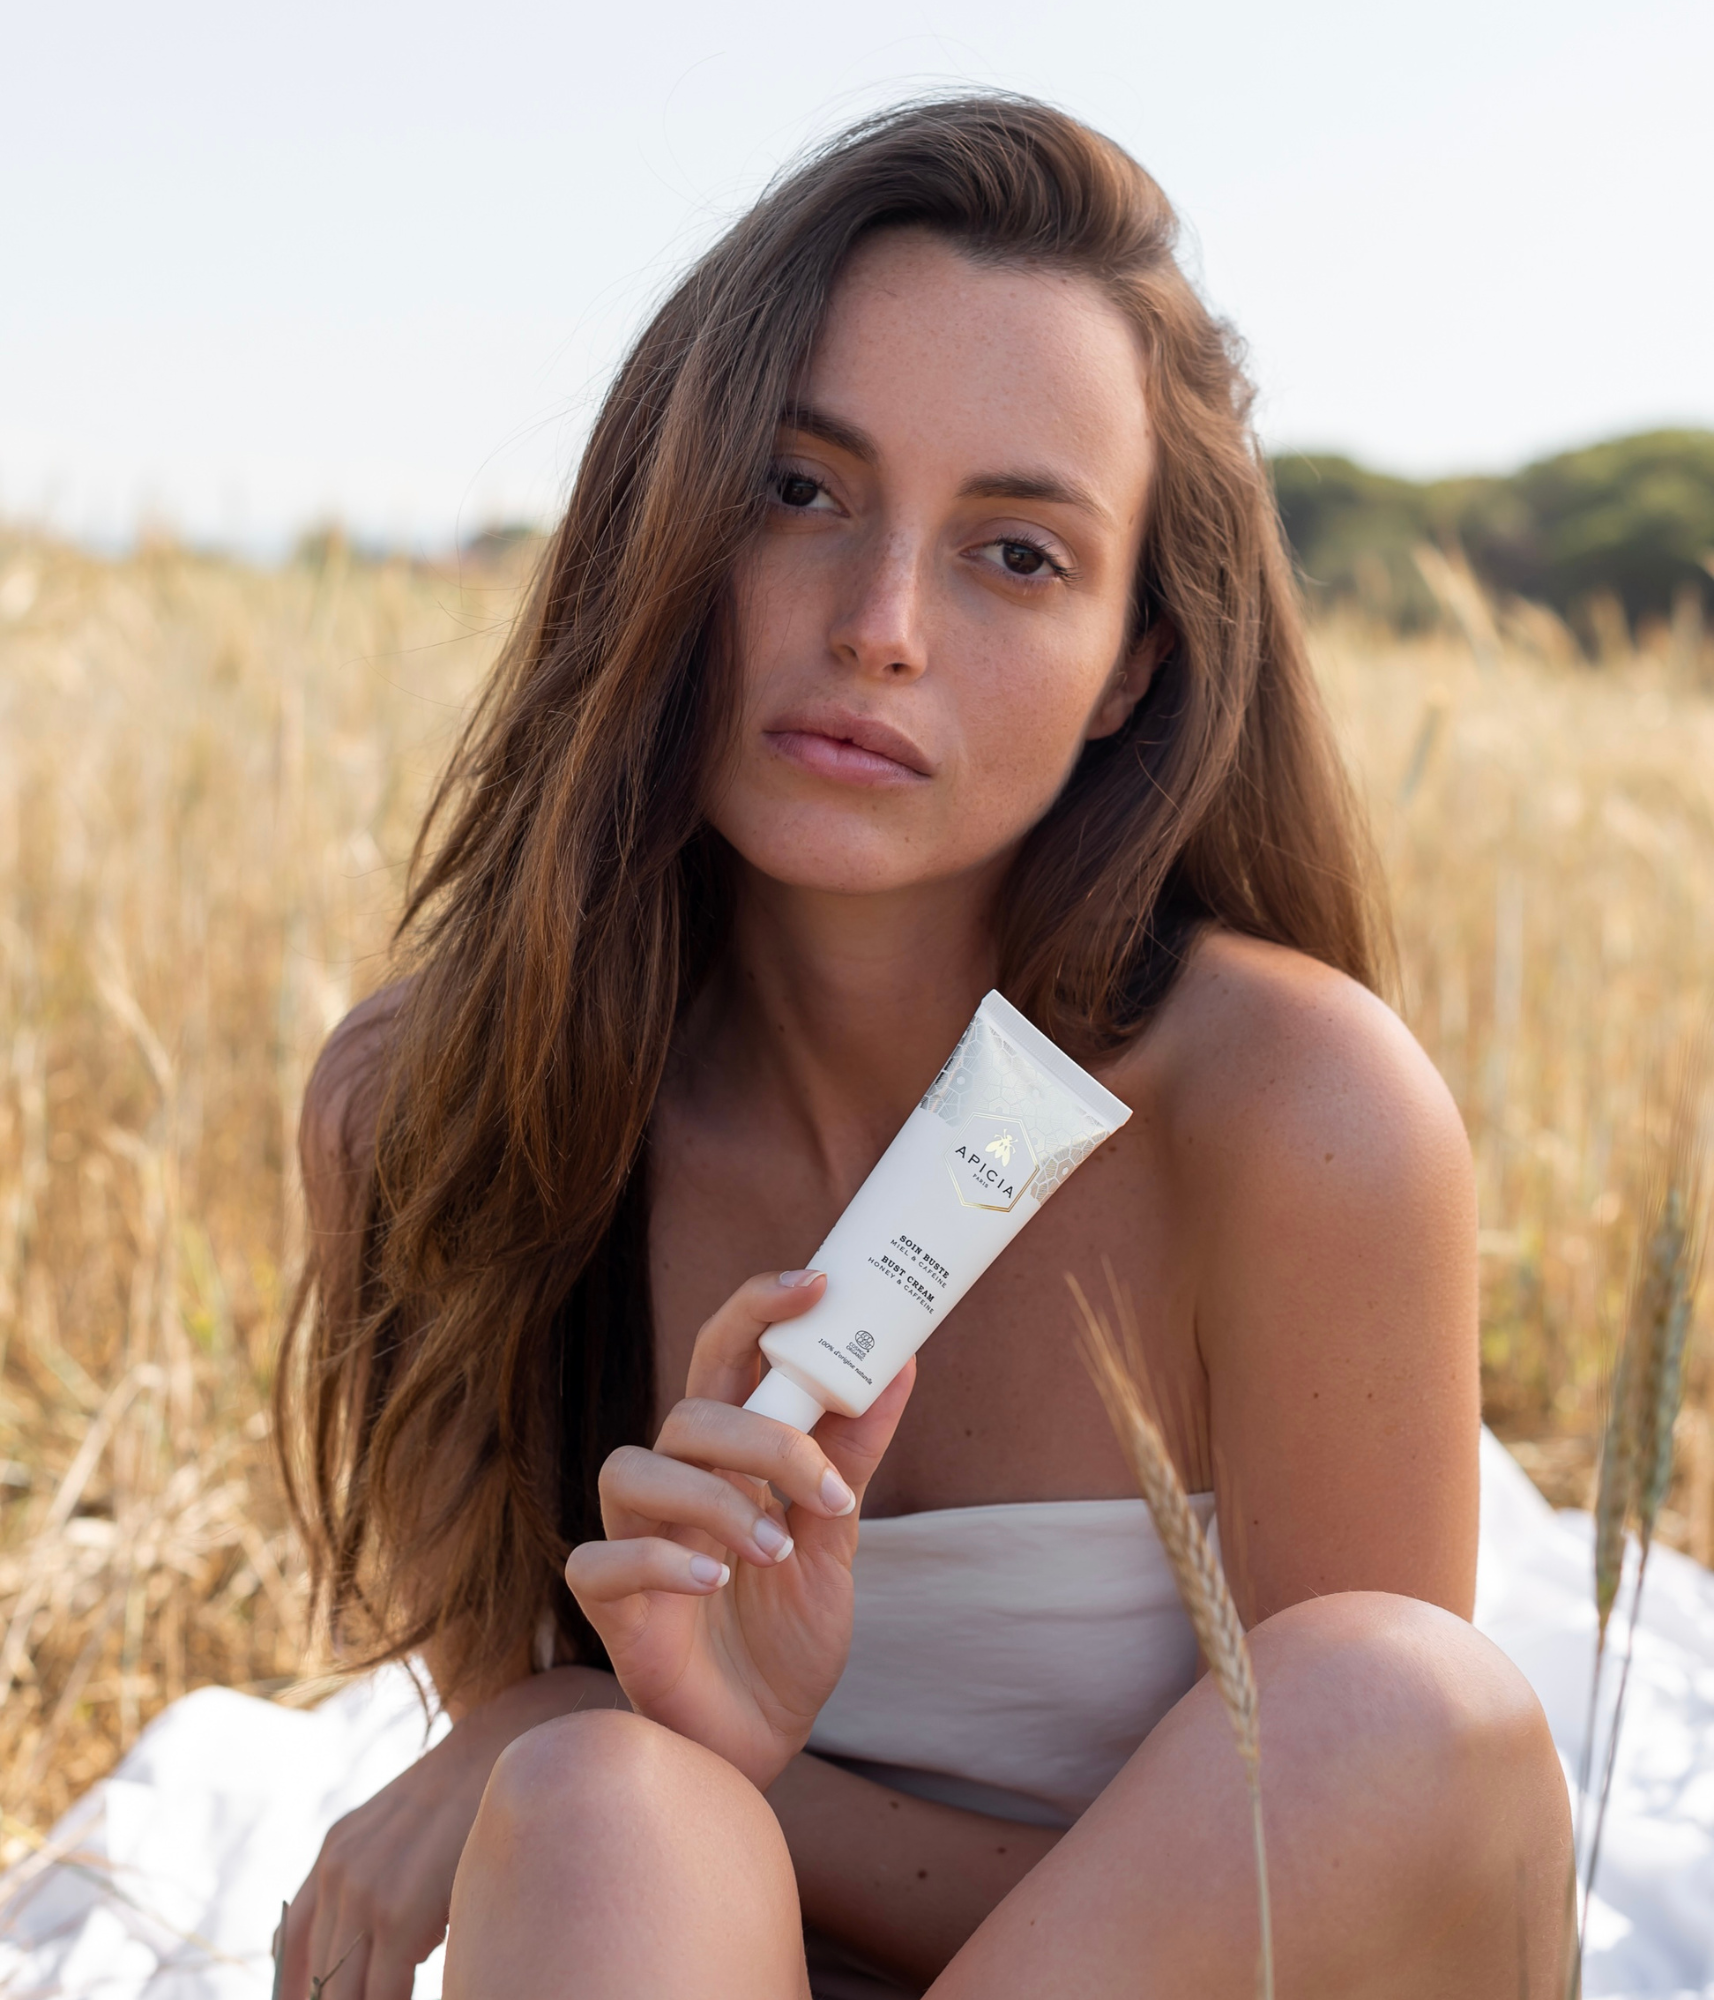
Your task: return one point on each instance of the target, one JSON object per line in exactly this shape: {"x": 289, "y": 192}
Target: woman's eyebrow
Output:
{"x": 1033, "y": 486}
{"x": 808, "y": 421}
{"x": 811, "y": 422}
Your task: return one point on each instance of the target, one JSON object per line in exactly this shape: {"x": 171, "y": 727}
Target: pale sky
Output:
{"x": 264, "y": 265}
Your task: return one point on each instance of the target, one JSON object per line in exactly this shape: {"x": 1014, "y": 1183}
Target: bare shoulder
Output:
{"x": 336, "y": 1127}
{"x": 1328, "y": 1221}
{"x": 1266, "y": 1062}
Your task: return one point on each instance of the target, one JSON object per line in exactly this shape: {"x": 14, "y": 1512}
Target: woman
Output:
{"x": 920, "y": 622}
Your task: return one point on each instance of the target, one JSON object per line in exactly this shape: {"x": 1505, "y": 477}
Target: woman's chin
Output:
{"x": 828, "y": 848}
{"x": 848, "y": 866}
{"x": 836, "y": 876}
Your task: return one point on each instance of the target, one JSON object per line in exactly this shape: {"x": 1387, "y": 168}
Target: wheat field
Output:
{"x": 209, "y": 776}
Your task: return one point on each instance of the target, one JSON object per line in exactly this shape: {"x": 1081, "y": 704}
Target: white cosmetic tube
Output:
{"x": 1008, "y": 1120}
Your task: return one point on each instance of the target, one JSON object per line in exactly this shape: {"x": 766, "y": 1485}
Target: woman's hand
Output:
{"x": 726, "y": 1619}
{"x": 378, "y": 1895}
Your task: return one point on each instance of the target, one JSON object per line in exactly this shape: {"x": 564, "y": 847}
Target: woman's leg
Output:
{"x": 612, "y": 1859}
{"x": 1418, "y": 1831}
{"x": 1417, "y": 1826}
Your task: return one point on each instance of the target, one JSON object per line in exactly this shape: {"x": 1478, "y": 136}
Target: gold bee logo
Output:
{"x": 991, "y": 1163}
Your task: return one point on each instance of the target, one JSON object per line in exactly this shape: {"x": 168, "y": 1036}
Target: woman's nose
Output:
{"x": 879, "y": 627}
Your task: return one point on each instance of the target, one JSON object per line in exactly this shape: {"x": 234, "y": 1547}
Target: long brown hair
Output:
{"x": 447, "y": 1401}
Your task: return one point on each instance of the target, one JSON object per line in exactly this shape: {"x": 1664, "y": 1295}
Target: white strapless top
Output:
{"x": 1010, "y": 1659}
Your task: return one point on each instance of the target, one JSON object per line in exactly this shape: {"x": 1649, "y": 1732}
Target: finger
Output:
{"x": 338, "y": 1951}
{"x": 310, "y": 1923}
{"x": 390, "y": 1975}
{"x": 296, "y": 1928}
{"x": 726, "y": 1439}
{"x": 599, "y": 1573}
{"x": 641, "y": 1491}
{"x": 344, "y": 1976}
{"x": 855, "y": 1446}
{"x": 723, "y": 1363}
{"x": 318, "y": 1958}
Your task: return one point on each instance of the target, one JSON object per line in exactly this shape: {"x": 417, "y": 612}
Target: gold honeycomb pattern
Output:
{"x": 989, "y": 1076}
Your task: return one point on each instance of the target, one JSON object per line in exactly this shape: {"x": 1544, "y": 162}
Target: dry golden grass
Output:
{"x": 1548, "y": 832}
{"x": 207, "y": 776}
{"x": 208, "y": 779}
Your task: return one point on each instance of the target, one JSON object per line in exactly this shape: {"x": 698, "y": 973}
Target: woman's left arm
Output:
{"x": 1337, "y": 1302}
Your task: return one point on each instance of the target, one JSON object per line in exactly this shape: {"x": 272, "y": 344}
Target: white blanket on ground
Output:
{"x": 165, "y": 1882}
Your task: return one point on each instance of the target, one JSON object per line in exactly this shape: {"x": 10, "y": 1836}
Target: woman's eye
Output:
{"x": 796, "y": 490}
{"x": 1025, "y": 559}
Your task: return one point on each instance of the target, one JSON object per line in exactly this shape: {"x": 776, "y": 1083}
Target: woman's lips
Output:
{"x": 856, "y": 754}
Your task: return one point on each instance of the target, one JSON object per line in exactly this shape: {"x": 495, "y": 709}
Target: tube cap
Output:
{"x": 786, "y": 1401}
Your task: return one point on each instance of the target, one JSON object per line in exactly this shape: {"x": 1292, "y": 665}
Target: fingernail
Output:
{"x": 792, "y": 1279}
{"x": 836, "y": 1496}
{"x": 771, "y": 1538}
{"x": 704, "y": 1569}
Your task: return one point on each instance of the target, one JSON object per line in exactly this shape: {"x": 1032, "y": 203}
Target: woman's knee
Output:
{"x": 608, "y": 1791}
{"x": 598, "y": 1775}
{"x": 1400, "y": 1720}
{"x": 607, "y": 1842}
{"x": 1378, "y": 1679}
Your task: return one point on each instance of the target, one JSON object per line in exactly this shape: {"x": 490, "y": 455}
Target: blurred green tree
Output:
{"x": 1630, "y": 520}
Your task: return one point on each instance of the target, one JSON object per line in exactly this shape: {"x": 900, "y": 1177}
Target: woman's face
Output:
{"x": 935, "y": 616}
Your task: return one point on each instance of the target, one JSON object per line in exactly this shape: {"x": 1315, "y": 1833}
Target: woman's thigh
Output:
{"x": 1417, "y": 1826}
{"x": 612, "y": 1859}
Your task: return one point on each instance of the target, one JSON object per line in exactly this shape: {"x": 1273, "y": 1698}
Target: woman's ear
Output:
{"x": 1131, "y": 682}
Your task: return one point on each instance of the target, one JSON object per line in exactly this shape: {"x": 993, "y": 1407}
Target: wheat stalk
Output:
{"x": 1116, "y": 1363}
{"x": 1647, "y": 1389}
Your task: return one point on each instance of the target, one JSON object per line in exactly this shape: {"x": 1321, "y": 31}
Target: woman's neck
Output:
{"x": 833, "y": 1013}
